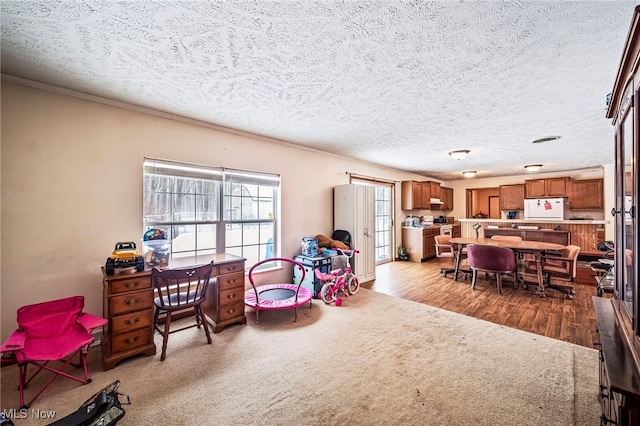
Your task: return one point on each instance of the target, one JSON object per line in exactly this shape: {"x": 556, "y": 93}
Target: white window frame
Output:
{"x": 244, "y": 219}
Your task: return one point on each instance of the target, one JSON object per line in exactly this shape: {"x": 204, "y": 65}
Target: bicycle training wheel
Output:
{"x": 326, "y": 293}
{"x": 353, "y": 285}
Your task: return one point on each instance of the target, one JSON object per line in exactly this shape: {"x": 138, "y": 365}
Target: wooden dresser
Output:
{"x": 128, "y": 306}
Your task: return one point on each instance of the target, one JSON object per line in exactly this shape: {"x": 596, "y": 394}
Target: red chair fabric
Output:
{"x": 493, "y": 260}
{"x": 53, "y": 331}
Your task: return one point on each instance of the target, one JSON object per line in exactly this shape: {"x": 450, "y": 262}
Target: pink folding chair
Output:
{"x": 49, "y": 332}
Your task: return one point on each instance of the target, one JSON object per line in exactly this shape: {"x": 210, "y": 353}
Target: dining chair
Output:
{"x": 180, "y": 290}
{"x": 445, "y": 250}
{"x": 506, "y": 238}
{"x": 493, "y": 260}
{"x": 562, "y": 268}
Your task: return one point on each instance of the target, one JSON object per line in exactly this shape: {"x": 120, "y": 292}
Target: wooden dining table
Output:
{"x": 535, "y": 248}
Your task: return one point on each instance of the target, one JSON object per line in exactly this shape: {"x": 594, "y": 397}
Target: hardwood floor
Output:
{"x": 570, "y": 320}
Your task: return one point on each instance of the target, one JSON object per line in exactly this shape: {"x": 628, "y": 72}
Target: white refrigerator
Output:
{"x": 544, "y": 208}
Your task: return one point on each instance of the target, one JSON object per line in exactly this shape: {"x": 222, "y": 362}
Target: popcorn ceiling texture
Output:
{"x": 395, "y": 83}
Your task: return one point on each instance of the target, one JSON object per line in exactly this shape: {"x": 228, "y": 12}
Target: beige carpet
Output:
{"x": 374, "y": 360}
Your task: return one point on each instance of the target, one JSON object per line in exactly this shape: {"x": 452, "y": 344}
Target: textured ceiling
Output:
{"x": 395, "y": 83}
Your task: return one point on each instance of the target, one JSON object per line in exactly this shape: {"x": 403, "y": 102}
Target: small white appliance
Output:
{"x": 544, "y": 208}
{"x": 426, "y": 220}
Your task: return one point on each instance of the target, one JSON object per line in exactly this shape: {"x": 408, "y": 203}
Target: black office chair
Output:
{"x": 341, "y": 235}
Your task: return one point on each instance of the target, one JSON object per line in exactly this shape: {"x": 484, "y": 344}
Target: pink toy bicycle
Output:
{"x": 341, "y": 280}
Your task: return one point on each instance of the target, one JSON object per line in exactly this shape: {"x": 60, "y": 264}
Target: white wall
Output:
{"x": 71, "y": 183}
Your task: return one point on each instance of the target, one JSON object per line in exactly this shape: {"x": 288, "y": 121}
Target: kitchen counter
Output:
{"x": 583, "y": 233}
{"x": 537, "y": 221}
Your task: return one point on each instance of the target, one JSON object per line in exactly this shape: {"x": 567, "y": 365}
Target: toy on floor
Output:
{"x": 339, "y": 281}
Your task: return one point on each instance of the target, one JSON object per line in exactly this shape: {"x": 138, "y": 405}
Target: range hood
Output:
{"x": 435, "y": 201}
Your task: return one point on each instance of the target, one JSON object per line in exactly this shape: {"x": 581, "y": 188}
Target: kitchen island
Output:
{"x": 583, "y": 233}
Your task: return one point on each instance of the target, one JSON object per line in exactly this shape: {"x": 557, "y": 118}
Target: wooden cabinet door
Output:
{"x": 512, "y": 197}
{"x": 428, "y": 244}
{"x": 586, "y": 194}
{"x": 534, "y": 188}
{"x": 555, "y": 187}
{"x": 436, "y": 190}
{"x": 416, "y": 190}
{"x": 426, "y": 195}
{"x": 446, "y": 197}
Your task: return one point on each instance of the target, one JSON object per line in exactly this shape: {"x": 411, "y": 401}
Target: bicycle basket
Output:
{"x": 340, "y": 261}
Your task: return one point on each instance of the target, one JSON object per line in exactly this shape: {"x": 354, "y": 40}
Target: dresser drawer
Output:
{"x": 131, "y": 340}
{"x": 231, "y": 296}
{"x": 131, "y": 302}
{"x": 230, "y": 311}
{"x": 131, "y": 284}
{"x": 229, "y": 282}
{"x": 128, "y": 322}
{"x": 230, "y": 268}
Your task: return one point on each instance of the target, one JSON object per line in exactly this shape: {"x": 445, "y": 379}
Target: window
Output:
{"x": 206, "y": 210}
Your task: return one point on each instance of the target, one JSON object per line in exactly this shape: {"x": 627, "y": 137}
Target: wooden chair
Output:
{"x": 561, "y": 268}
{"x": 272, "y": 297}
{"x": 180, "y": 290}
{"x": 493, "y": 260}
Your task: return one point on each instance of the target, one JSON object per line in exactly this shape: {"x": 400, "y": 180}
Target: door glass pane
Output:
{"x": 628, "y": 235}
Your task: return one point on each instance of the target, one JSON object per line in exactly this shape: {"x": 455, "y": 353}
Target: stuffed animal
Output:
{"x": 328, "y": 242}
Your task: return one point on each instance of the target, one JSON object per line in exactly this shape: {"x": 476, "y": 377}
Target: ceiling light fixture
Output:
{"x": 547, "y": 139}
{"x": 469, "y": 173}
{"x": 533, "y": 167}
{"x": 459, "y": 155}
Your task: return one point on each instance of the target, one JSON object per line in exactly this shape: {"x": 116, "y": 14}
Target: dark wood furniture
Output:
{"x": 177, "y": 290}
{"x": 420, "y": 242}
{"x": 618, "y": 318}
{"x": 550, "y": 236}
{"x": 128, "y": 306}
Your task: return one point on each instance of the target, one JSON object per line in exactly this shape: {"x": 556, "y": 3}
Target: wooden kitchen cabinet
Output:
{"x": 420, "y": 242}
{"x": 551, "y": 187}
{"x": 586, "y": 194}
{"x": 436, "y": 191}
{"x": 415, "y": 195}
{"x": 446, "y": 196}
{"x": 512, "y": 197}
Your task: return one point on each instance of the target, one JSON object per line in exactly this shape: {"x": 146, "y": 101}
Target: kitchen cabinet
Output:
{"x": 446, "y": 196}
{"x": 586, "y": 194}
{"x": 420, "y": 242}
{"x": 551, "y": 187}
{"x": 436, "y": 190}
{"x": 354, "y": 212}
{"x": 415, "y": 195}
{"x": 618, "y": 316}
{"x": 512, "y": 197}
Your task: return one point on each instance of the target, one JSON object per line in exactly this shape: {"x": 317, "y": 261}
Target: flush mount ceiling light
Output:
{"x": 459, "y": 155}
{"x": 469, "y": 173}
{"x": 547, "y": 139}
{"x": 533, "y": 167}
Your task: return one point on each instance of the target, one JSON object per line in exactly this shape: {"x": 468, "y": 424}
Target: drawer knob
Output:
{"x": 231, "y": 296}
{"x": 132, "y": 285}
{"x": 230, "y": 311}
{"x": 131, "y": 302}
{"x": 135, "y": 321}
{"x": 130, "y": 341}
